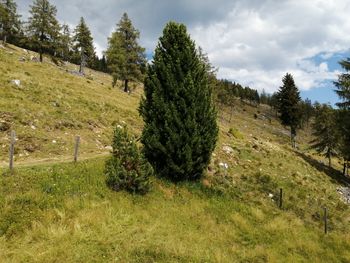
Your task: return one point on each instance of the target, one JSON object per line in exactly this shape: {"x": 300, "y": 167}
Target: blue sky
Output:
{"x": 253, "y": 42}
{"x": 325, "y": 93}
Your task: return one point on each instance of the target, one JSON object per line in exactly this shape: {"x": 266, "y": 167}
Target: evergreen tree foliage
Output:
{"x": 84, "y": 50}
{"x": 325, "y": 132}
{"x": 125, "y": 57}
{"x": 307, "y": 111}
{"x": 65, "y": 43}
{"x": 180, "y": 129}
{"x": 343, "y": 85}
{"x": 288, "y": 105}
{"x": 343, "y": 91}
{"x": 127, "y": 169}
{"x": 43, "y": 27}
{"x": 10, "y": 25}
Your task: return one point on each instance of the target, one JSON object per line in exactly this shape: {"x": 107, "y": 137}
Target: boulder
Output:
{"x": 227, "y": 149}
{"x": 16, "y": 82}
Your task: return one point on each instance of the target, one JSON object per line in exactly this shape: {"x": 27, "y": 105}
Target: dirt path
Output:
{"x": 53, "y": 160}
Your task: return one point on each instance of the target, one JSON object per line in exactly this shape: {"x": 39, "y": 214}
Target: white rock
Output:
{"x": 119, "y": 126}
{"x": 109, "y": 148}
{"x": 33, "y": 127}
{"x": 227, "y": 149}
{"x": 224, "y": 165}
{"x": 271, "y": 195}
{"x": 54, "y": 141}
{"x": 16, "y": 82}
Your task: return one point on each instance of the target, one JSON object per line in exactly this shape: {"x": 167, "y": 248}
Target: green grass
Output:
{"x": 61, "y": 212}
{"x": 65, "y": 213}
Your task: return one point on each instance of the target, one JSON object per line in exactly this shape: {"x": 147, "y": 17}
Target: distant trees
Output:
{"x": 180, "y": 129}
{"x": 10, "y": 24}
{"x": 288, "y": 105}
{"x": 43, "y": 27}
{"x": 125, "y": 57}
{"x": 84, "y": 51}
{"x": 325, "y": 132}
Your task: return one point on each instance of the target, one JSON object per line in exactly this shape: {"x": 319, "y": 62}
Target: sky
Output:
{"x": 253, "y": 42}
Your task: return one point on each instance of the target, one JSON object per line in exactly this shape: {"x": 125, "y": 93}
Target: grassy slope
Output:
{"x": 63, "y": 212}
{"x": 53, "y": 105}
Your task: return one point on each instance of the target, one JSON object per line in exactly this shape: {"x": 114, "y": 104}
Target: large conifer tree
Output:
{"x": 43, "y": 27}
{"x": 343, "y": 91}
{"x": 288, "y": 105}
{"x": 125, "y": 57}
{"x": 180, "y": 120}
{"x": 326, "y": 136}
{"x": 10, "y": 24}
{"x": 83, "y": 45}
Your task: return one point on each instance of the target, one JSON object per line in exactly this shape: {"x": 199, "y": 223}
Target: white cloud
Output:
{"x": 257, "y": 44}
{"x": 254, "y": 42}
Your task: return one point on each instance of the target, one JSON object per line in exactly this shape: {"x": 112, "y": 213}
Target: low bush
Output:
{"x": 127, "y": 169}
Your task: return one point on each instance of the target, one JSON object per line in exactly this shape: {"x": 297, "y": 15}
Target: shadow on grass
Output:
{"x": 330, "y": 171}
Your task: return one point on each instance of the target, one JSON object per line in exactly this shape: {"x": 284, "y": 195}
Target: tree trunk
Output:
{"x": 292, "y": 136}
{"x": 41, "y": 56}
{"x": 82, "y": 62}
{"x": 329, "y": 161}
{"x": 126, "y": 88}
{"x": 344, "y": 168}
{"x": 5, "y": 40}
{"x": 231, "y": 113}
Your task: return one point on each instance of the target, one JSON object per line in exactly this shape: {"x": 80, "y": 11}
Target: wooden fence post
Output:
{"x": 281, "y": 198}
{"x": 12, "y": 150}
{"x": 325, "y": 220}
{"x": 76, "y": 149}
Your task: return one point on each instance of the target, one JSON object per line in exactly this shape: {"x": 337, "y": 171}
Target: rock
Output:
{"x": 34, "y": 59}
{"x": 270, "y": 195}
{"x": 109, "y": 148}
{"x": 227, "y": 149}
{"x": 16, "y": 82}
{"x": 33, "y": 127}
{"x": 224, "y": 165}
{"x": 54, "y": 141}
{"x": 22, "y": 59}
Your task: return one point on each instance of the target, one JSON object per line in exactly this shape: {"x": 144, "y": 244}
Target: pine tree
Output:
{"x": 83, "y": 46}
{"x": 180, "y": 129}
{"x": 325, "y": 132}
{"x": 10, "y": 25}
{"x": 43, "y": 27}
{"x": 288, "y": 105}
{"x": 125, "y": 57}
{"x": 65, "y": 43}
{"x": 343, "y": 85}
{"x": 343, "y": 91}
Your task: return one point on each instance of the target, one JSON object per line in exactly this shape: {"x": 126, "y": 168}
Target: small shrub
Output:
{"x": 127, "y": 169}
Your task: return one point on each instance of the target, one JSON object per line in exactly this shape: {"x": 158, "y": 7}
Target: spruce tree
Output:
{"x": 343, "y": 85}
{"x": 83, "y": 45}
{"x": 125, "y": 57}
{"x": 65, "y": 43}
{"x": 43, "y": 27}
{"x": 180, "y": 129}
{"x": 343, "y": 91}
{"x": 326, "y": 136}
{"x": 288, "y": 105}
{"x": 10, "y": 25}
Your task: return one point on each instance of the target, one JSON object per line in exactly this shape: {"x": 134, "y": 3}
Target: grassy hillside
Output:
{"x": 65, "y": 213}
